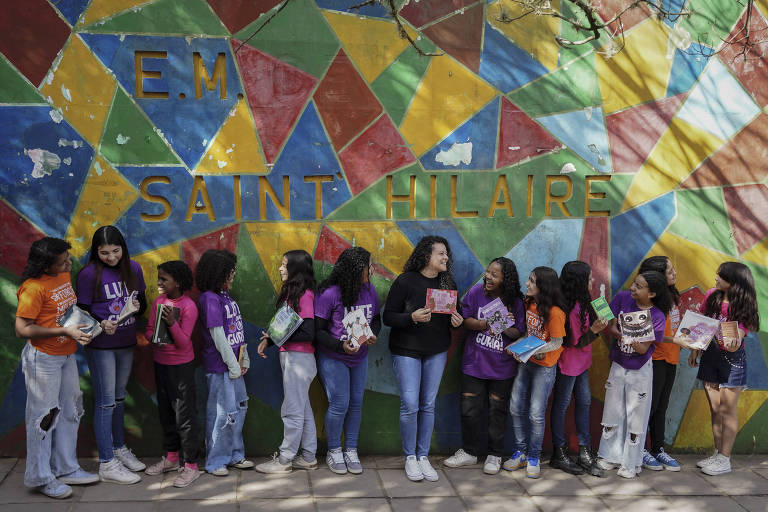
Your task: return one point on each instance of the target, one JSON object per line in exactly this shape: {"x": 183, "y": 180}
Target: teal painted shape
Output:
{"x": 397, "y": 84}
{"x": 583, "y": 131}
{"x": 685, "y": 381}
{"x": 686, "y": 68}
{"x": 381, "y": 376}
{"x": 702, "y": 217}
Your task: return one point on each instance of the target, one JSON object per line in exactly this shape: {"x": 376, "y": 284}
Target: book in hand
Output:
{"x": 602, "y": 309}
{"x": 525, "y": 347}
{"x": 442, "y": 301}
{"x": 75, "y": 316}
{"x": 283, "y": 324}
{"x": 497, "y": 316}
{"x": 161, "y": 335}
{"x": 636, "y": 326}
{"x": 697, "y": 329}
{"x": 356, "y": 326}
{"x": 729, "y": 329}
{"x": 129, "y": 308}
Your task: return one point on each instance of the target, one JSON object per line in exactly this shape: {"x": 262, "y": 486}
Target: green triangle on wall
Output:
{"x": 190, "y": 17}
{"x": 397, "y": 84}
{"x": 130, "y": 137}
{"x": 711, "y": 229}
{"x": 252, "y": 288}
{"x": 14, "y": 88}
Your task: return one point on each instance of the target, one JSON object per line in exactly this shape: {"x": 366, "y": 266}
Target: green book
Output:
{"x": 603, "y": 310}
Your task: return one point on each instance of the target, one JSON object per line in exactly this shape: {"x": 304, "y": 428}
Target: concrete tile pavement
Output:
{"x": 383, "y": 488}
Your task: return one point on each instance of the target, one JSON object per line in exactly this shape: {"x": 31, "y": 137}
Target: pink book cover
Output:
{"x": 442, "y": 301}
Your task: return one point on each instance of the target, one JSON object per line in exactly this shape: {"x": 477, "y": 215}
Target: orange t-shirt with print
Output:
{"x": 668, "y": 352}
{"x": 44, "y": 299}
{"x": 554, "y": 328}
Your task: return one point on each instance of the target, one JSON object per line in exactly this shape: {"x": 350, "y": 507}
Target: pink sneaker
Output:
{"x": 164, "y": 466}
{"x": 186, "y": 477}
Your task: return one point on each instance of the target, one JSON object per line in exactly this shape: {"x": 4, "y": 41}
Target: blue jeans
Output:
{"x": 528, "y": 406}
{"x": 53, "y": 412}
{"x": 224, "y": 419}
{"x": 110, "y": 369}
{"x": 418, "y": 380}
{"x": 345, "y": 387}
{"x": 565, "y": 385}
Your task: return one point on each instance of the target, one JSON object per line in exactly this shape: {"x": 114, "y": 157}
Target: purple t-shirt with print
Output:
{"x": 484, "y": 355}
{"x": 624, "y": 355}
{"x": 329, "y": 307}
{"x": 219, "y": 310}
{"x": 107, "y": 302}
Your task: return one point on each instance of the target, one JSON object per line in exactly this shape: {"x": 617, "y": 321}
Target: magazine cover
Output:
{"x": 161, "y": 335}
{"x": 602, "y": 309}
{"x": 357, "y": 326}
{"x": 636, "y": 326}
{"x": 75, "y": 316}
{"x": 283, "y": 324}
{"x": 698, "y": 329}
{"x": 525, "y": 347}
{"x": 497, "y": 316}
{"x": 442, "y": 301}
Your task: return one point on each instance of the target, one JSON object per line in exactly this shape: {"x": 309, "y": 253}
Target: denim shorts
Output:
{"x": 728, "y": 369}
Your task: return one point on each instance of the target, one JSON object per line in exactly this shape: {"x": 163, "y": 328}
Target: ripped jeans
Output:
{"x": 224, "y": 419}
{"x": 53, "y": 412}
{"x": 625, "y": 414}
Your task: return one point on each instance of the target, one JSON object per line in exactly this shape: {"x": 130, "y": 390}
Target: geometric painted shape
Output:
{"x": 307, "y": 153}
{"x": 299, "y": 35}
{"x": 165, "y": 17}
{"x": 562, "y": 90}
{"x": 447, "y": 96}
{"x": 571, "y": 33}
{"x": 534, "y": 34}
{"x": 329, "y": 246}
{"x": 254, "y": 288}
{"x": 14, "y": 87}
{"x": 81, "y": 89}
{"x": 274, "y": 105}
{"x": 129, "y": 137}
{"x": 373, "y": 9}
{"x": 753, "y": 430}
{"x": 703, "y": 218}
{"x": 31, "y": 35}
{"x": 71, "y": 9}
{"x": 679, "y": 151}
{"x": 376, "y": 152}
{"x": 695, "y": 431}
{"x": 44, "y": 163}
{"x": 750, "y": 225}
{"x": 698, "y": 271}
{"x": 718, "y": 103}
{"x": 645, "y": 49}
{"x": 583, "y": 131}
{"x": 634, "y": 132}
{"x": 687, "y": 65}
{"x": 740, "y": 160}
{"x": 14, "y": 400}
{"x": 521, "y": 137}
{"x": 387, "y": 244}
{"x": 470, "y": 146}
{"x": 750, "y": 65}
{"x": 426, "y": 11}
{"x": 396, "y": 85}
{"x": 100, "y": 9}
{"x": 344, "y": 101}
{"x": 176, "y": 69}
{"x": 221, "y": 239}
{"x": 460, "y": 35}
{"x": 371, "y": 44}
{"x": 608, "y": 9}
{"x": 710, "y": 21}
{"x": 24, "y": 234}
{"x": 506, "y": 233}
{"x": 272, "y": 240}
{"x": 595, "y": 243}
{"x": 236, "y": 148}
{"x": 104, "y": 198}
{"x": 506, "y": 65}
{"x": 757, "y": 377}
{"x": 236, "y": 14}
{"x": 643, "y": 226}
{"x": 466, "y": 268}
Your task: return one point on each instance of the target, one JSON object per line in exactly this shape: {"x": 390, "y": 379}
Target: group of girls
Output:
{"x": 554, "y": 308}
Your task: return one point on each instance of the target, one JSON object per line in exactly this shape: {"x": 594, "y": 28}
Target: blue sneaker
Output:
{"x": 516, "y": 461}
{"x": 650, "y": 462}
{"x": 79, "y": 477}
{"x": 667, "y": 461}
{"x": 533, "y": 470}
{"x": 56, "y": 489}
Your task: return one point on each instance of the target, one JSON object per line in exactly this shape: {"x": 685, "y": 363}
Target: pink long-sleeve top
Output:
{"x": 181, "y": 350}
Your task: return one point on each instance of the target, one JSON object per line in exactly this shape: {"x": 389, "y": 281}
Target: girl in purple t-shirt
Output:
{"x": 487, "y": 370}
{"x": 343, "y": 360}
{"x": 104, "y": 288}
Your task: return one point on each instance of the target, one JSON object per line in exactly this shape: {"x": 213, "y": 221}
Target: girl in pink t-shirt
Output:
{"x": 175, "y": 373}
{"x": 297, "y": 360}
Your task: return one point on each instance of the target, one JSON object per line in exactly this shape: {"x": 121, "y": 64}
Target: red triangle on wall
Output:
{"x": 461, "y": 36}
{"x": 520, "y": 137}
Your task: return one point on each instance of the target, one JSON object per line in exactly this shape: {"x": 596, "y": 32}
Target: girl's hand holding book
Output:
{"x": 108, "y": 326}
{"x": 168, "y": 317}
{"x": 349, "y": 348}
{"x": 599, "y": 325}
{"x": 731, "y": 344}
{"x": 371, "y": 340}
{"x": 76, "y": 334}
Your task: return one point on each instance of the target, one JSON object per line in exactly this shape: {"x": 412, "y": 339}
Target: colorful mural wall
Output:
{"x": 261, "y": 126}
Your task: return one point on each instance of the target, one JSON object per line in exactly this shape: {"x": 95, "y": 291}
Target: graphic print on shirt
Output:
{"x": 484, "y": 338}
{"x": 536, "y": 325}
{"x": 117, "y": 294}
{"x": 233, "y": 324}
{"x": 63, "y": 296}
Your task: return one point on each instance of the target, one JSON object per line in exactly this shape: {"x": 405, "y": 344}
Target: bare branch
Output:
{"x": 271, "y": 17}
{"x": 393, "y": 11}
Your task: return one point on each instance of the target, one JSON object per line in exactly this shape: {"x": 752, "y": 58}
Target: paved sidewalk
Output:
{"x": 383, "y": 487}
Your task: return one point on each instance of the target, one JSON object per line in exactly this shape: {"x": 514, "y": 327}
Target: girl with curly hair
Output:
{"x": 723, "y": 368}
{"x": 225, "y": 361}
{"x": 545, "y": 319}
{"x": 297, "y": 361}
{"x": 487, "y": 370}
{"x": 343, "y": 362}
{"x": 582, "y": 328}
{"x": 419, "y": 343}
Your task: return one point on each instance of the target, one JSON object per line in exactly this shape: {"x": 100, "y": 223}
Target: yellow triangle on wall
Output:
{"x": 100, "y": 9}
{"x": 387, "y": 244}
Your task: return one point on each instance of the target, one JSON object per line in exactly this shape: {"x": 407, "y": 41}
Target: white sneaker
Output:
{"x": 114, "y": 471}
{"x": 626, "y": 472}
{"x": 720, "y": 466}
{"x": 605, "y": 465}
{"x": 427, "y": 470}
{"x": 413, "y": 469}
{"x": 706, "y": 462}
{"x": 492, "y": 465}
{"x": 128, "y": 459}
{"x": 460, "y": 458}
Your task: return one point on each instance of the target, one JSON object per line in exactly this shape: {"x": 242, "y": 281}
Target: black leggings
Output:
{"x": 472, "y": 414}
{"x": 663, "y": 379}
